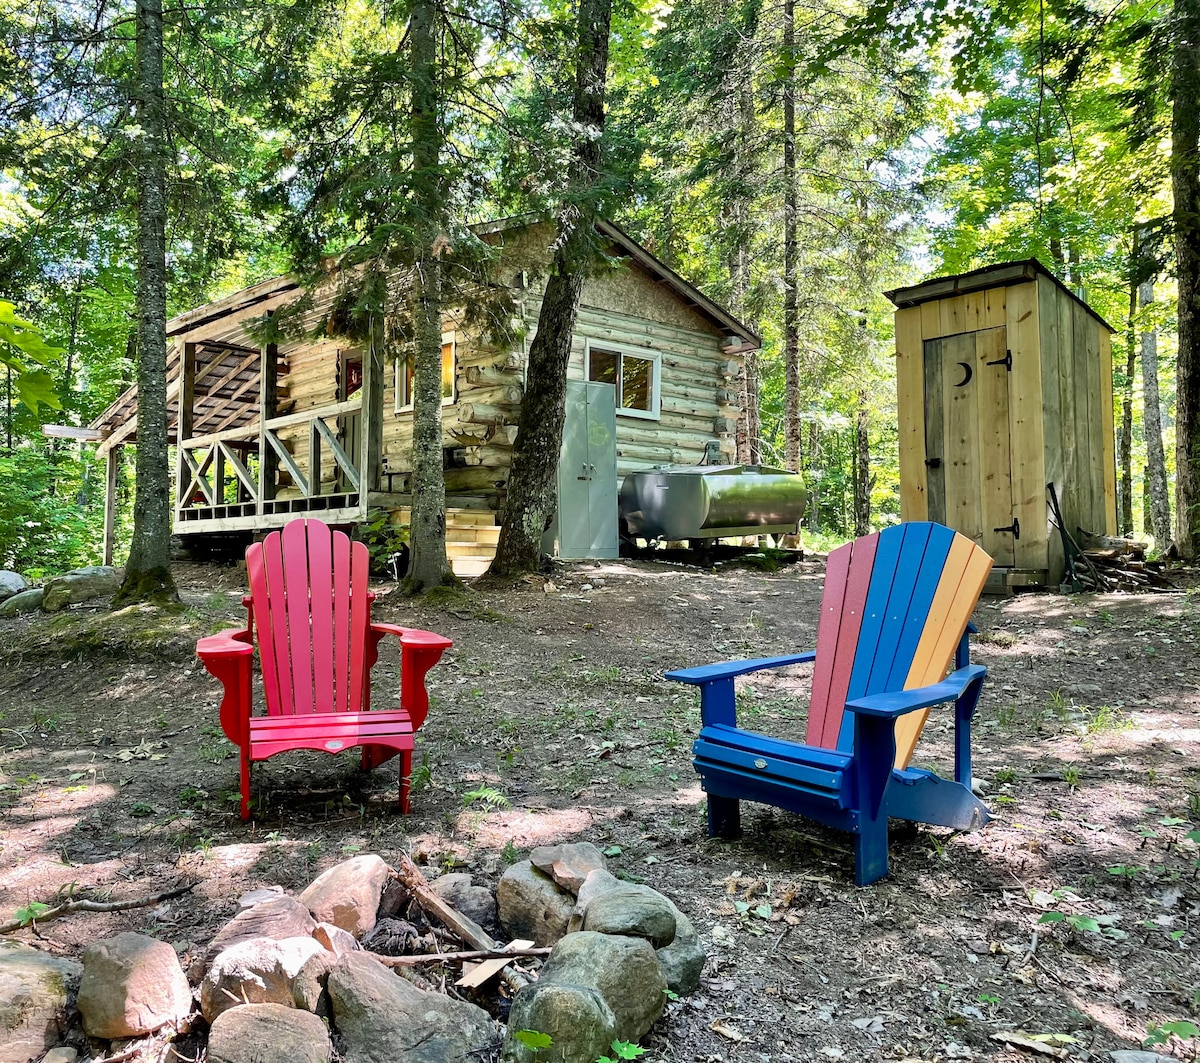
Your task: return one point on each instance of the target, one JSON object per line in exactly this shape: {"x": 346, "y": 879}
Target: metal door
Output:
{"x": 967, "y": 442}
{"x": 586, "y": 520}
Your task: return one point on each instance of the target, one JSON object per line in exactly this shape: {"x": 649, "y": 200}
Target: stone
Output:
{"x": 334, "y": 939}
{"x": 1135, "y": 1056}
{"x": 381, "y": 1018}
{"x": 284, "y": 917}
{"x": 260, "y": 971}
{"x": 131, "y": 985}
{"x": 580, "y": 1025}
{"x": 62, "y": 1054}
{"x": 635, "y": 911}
{"x": 252, "y": 897}
{"x": 568, "y": 864}
{"x": 475, "y": 902}
{"x": 11, "y": 583}
{"x": 623, "y": 970}
{"x": 29, "y": 601}
{"x": 78, "y": 585}
{"x": 683, "y": 960}
{"x": 268, "y": 1033}
{"x": 35, "y": 989}
{"x": 530, "y": 905}
{"x": 348, "y": 894}
{"x": 597, "y": 882}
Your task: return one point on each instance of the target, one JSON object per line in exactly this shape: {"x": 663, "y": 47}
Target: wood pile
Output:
{"x": 1109, "y": 563}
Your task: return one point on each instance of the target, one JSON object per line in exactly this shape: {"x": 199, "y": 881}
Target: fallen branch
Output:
{"x": 68, "y": 907}
{"x": 456, "y": 957}
{"x": 467, "y": 929}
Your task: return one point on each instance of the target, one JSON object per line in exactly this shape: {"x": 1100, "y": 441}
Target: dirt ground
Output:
{"x": 551, "y": 721}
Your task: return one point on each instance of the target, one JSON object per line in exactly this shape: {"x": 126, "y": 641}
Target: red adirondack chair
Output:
{"x": 309, "y": 610}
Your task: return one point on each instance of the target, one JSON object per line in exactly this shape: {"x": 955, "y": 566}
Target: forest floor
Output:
{"x": 551, "y": 721}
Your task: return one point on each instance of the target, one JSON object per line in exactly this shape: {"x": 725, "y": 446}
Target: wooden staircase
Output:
{"x": 471, "y": 537}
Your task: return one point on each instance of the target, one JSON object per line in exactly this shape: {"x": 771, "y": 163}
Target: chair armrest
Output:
{"x": 229, "y": 655}
{"x": 419, "y": 652}
{"x": 728, "y": 669}
{"x": 233, "y": 642}
{"x": 897, "y": 703}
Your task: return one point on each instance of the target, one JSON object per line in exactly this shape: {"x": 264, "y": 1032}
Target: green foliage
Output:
{"x": 44, "y": 528}
{"x": 488, "y": 796}
{"x": 534, "y": 1039}
{"x": 383, "y": 539}
{"x": 622, "y": 1050}
{"x": 26, "y": 355}
{"x": 1181, "y": 1028}
{"x": 31, "y": 912}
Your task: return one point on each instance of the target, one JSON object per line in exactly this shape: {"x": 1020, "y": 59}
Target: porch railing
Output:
{"x": 223, "y": 476}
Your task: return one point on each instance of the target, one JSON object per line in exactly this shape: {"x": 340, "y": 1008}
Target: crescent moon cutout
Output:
{"x": 968, "y": 371}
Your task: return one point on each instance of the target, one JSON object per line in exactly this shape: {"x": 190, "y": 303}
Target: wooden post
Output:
{"x": 187, "y": 393}
{"x": 371, "y": 442}
{"x": 112, "y": 462}
{"x": 268, "y": 461}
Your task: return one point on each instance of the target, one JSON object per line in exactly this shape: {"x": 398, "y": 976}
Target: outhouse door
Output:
{"x": 586, "y": 520}
{"x": 967, "y": 444}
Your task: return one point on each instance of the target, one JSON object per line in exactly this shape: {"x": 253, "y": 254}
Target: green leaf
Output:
{"x": 31, "y": 912}
{"x": 534, "y": 1039}
{"x": 626, "y": 1050}
{"x": 1052, "y": 917}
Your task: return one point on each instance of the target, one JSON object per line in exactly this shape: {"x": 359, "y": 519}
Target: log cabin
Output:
{"x": 322, "y": 424}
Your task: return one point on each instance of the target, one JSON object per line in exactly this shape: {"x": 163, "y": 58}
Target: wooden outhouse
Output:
{"x": 1004, "y": 387}
{"x": 320, "y": 423}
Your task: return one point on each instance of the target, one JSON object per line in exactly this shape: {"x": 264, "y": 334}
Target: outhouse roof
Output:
{"x": 999, "y": 275}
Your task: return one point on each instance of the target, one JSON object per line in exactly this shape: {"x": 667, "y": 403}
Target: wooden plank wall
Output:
{"x": 910, "y": 413}
{"x": 914, "y": 327}
{"x": 1049, "y": 325}
{"x": 1026, "y": 425}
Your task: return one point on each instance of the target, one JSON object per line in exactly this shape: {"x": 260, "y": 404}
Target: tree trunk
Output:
{"x": 749, "y": 422}
{"x": 791, "y": 325}
{"x": 1185, "y": 186}
{"x": 862, "y": 470}
{"x": 1156, "y": 462}
{"x": 148, "y": 570}
{"x": 428, "y": 566}
{"x": 531, "y": 486}
{"x": 1125, "y": 436}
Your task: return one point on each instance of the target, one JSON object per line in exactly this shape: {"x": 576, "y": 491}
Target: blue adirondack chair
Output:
{"x": 894, "y": 615}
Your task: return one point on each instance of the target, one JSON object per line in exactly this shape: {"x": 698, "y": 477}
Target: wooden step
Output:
{"x": 458, "y": 518}
{"x": 484, "y": 550}
{"x": 469, "y": 567}
{"x": 456, "y": 534}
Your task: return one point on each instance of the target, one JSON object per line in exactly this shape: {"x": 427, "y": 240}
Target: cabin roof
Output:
{"x": 999, "y": 275}
{"x": 226, "y": 371}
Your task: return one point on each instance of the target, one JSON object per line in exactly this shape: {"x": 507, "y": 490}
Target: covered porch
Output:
{"x": 248, "y": 456}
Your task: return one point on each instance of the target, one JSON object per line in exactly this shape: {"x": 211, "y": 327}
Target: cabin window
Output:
{"x": 404, "y": 376}
{"x": 634, "y": 373}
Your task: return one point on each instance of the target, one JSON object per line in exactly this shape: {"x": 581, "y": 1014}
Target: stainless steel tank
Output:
{"x": 710, "y": 501}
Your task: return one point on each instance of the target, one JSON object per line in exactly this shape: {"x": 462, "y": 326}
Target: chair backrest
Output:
{"x": 310, "y": 609}
{"x": 895, "y": 607}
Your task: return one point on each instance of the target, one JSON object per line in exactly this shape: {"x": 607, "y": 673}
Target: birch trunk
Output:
{"x": 148, "y": 570}
{"x": 1156, "y": 462}
{"x": 1185, "y": 186}
{"x": 428, "y": 565}
{"x": 791, "y": 322}
{"x": 532, "y": 485}
{"x": 862, "y": 470}
{"x": 1125, "y": 436}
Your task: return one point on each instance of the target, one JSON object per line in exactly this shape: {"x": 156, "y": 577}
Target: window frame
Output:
{"x": 645, "y": 354}
{"x": 452, "y": 399}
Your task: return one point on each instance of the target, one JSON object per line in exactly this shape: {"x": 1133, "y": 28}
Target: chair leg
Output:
{"x": 724, "y": 817}
{"x": 405, "y": 775}
{"x": 245, "y": 783}
{"x": 871, "y": 852}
